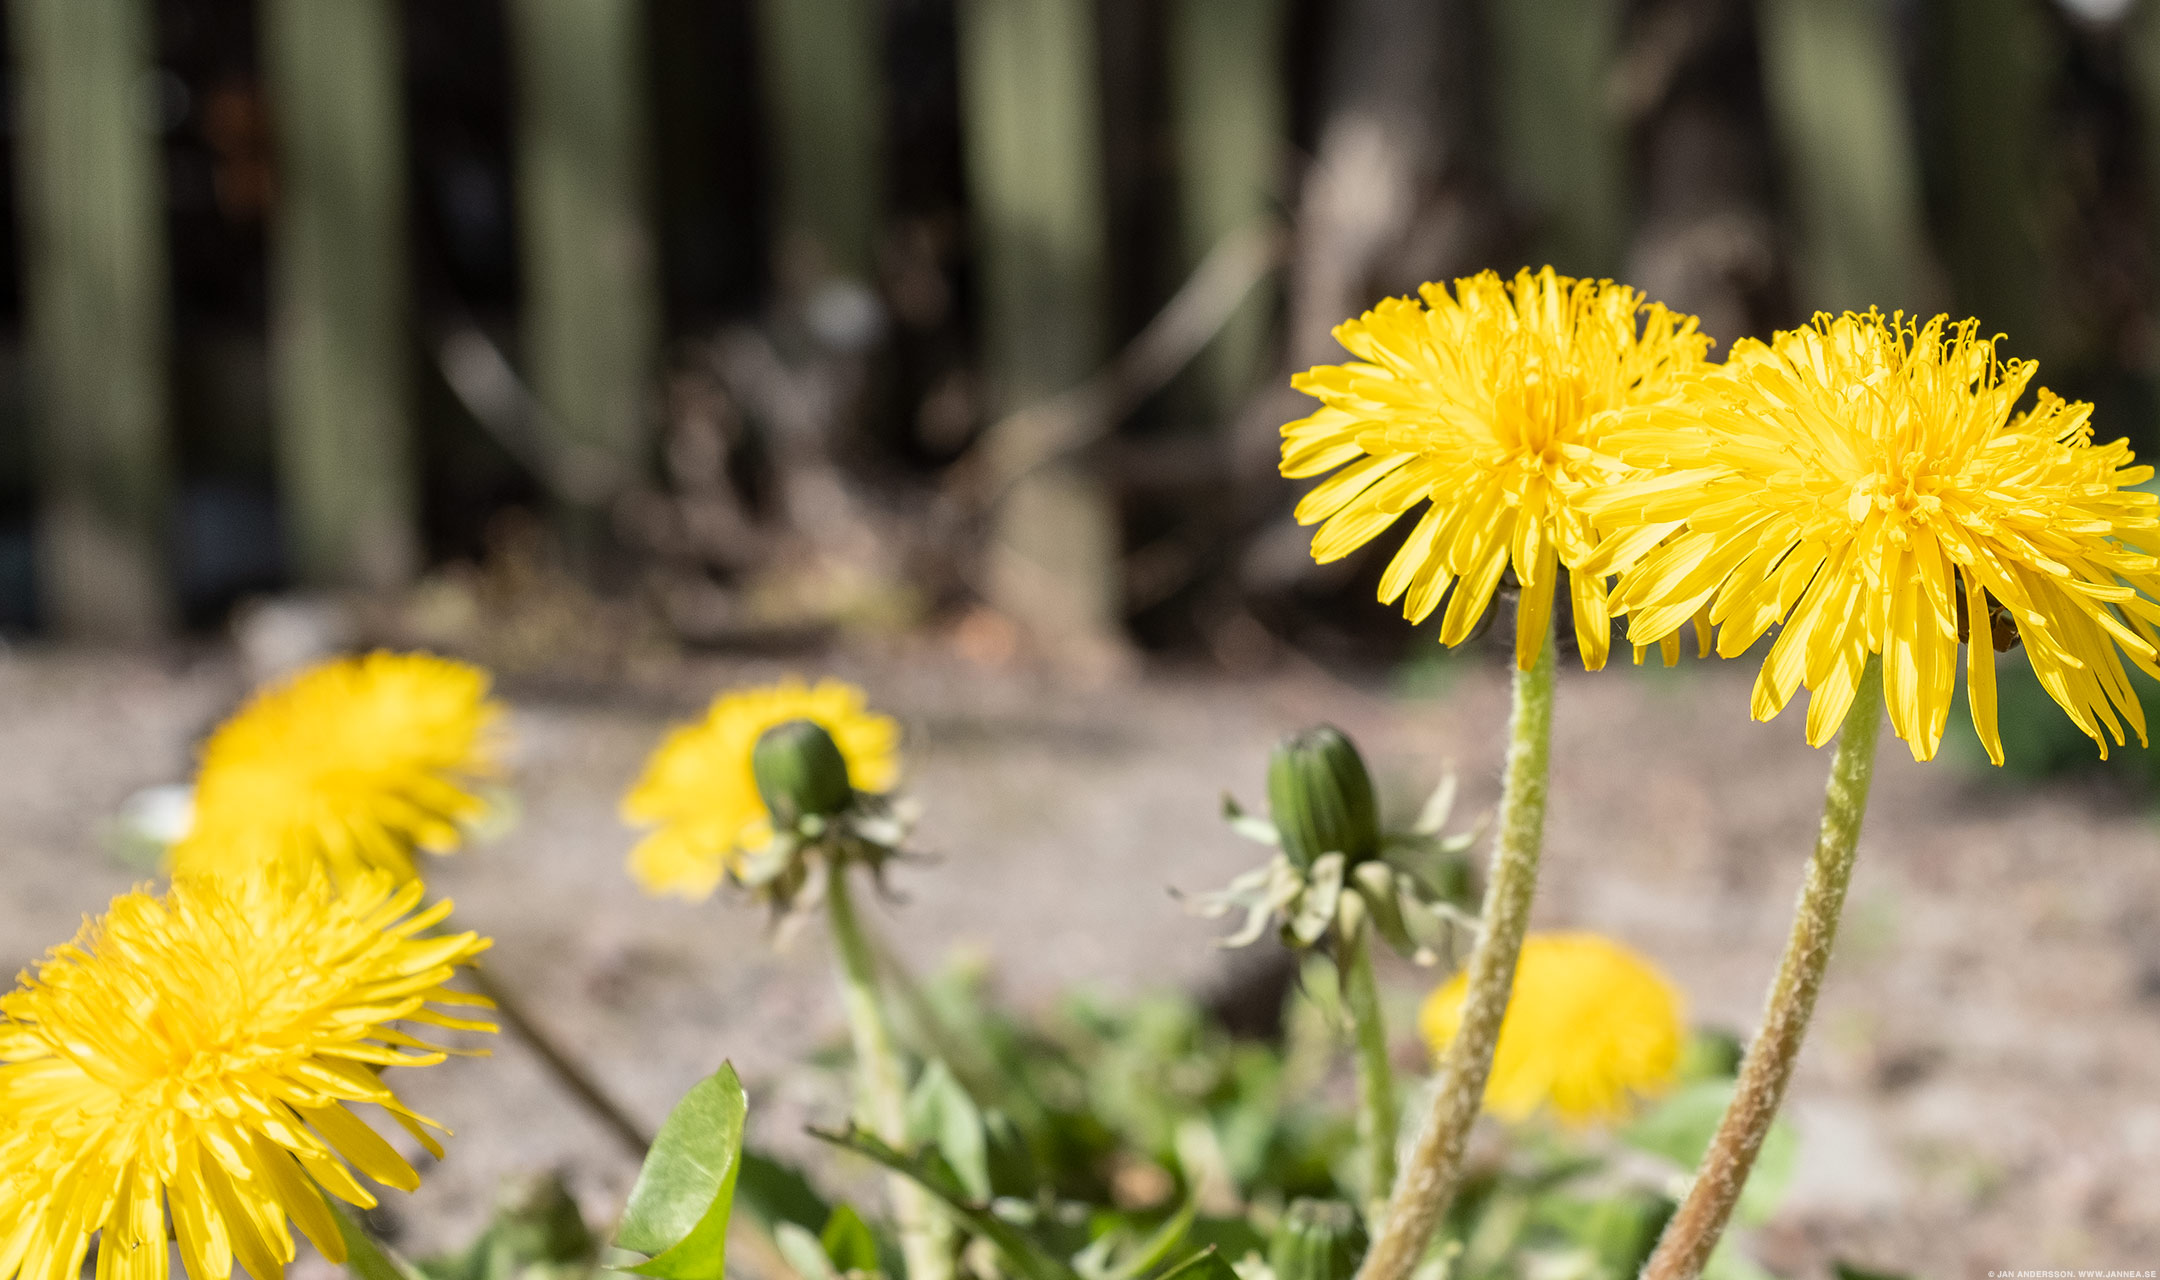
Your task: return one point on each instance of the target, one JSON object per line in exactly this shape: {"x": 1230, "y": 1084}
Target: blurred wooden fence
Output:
{"x": 1567, "y": 130}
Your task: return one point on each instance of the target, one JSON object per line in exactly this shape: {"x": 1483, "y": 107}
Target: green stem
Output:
{"x": 1693, "y": 1232}
{"x": 925, "y": 1237}
{"x": 1433, "y": 1172}
{"x": 1376, "y": 1077}
{"x": 919, "y": 1025}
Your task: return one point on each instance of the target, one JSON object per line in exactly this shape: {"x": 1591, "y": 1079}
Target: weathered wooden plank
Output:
{"x": 340, "y": 327}
{"x": 1994, "y": 61}
{"x": 1231, "y": 114}
{"x": 1561, "y": 142}
{"x": 97, "y": 302}
{"x": 590, "y": 329}
{"x": 1033, "y": 141}
{"x": 1837, "y": 98}
{"x": 824, "y": 92}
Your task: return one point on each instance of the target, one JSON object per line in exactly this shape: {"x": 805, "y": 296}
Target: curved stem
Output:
{"x": 567, "y": 1070}
{"x": 1376, "y": 1075}
{"x": 1693, "y": 1232}
{"x": 1433, "y": 1172}
{"x": 925, "y": 1237}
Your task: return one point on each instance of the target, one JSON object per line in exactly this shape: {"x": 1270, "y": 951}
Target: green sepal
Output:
{"x": 800, "y": 773}
{"x": 1315, "y": 911}
{"x": 1320, "y": 796}
{"x": 679, "y": 1207}
{"x": 1375, "y": 883}
{"x": 1249, "y": 825}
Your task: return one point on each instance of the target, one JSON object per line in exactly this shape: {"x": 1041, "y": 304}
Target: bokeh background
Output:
{"x": 636, "y": 347}
{"x": 777, "y": 318}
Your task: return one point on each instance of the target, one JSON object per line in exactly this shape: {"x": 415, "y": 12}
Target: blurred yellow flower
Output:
{"x": 700, "y": 795}
{"x": 1871, "y": 484}
{"x": 197, "y": 1053}
{"x": 350, "y": 765}
{"x": 1591, "y": 1028}
{"x": 1490, "y": 404}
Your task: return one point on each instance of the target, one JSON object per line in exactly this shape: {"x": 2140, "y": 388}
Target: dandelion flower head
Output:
{"x": 701, "y": 798}
{"x": 1488, "y": 403}
{"x": 197, "y": 1054}
{"x": 1591, "y": 1028}
{"x": 350, "y": 764}
{"x": 1872, "y": 485}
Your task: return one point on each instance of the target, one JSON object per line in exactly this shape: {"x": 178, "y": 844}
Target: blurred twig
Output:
{"x": 566, "y": 1070}
{"x": 1051, "y": 429}
{"x": 488, "y": 385}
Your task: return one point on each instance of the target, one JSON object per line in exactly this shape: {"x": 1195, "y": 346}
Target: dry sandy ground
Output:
{"x": 1982, "y": 1090}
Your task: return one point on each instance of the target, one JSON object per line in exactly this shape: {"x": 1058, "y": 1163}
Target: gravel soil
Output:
{"x": 1981, "y": 1090}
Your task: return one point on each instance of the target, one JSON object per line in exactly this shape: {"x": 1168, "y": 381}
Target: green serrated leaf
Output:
{"x": 680, "y": 1205}
{"x": 942, "y": 1114}
{"x": 850, "y": 1243}
{"x": 934, "y": 1174}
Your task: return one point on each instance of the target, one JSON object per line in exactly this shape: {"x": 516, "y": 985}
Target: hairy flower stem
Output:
{"x": 925, "y": 1237}
{"x": 1376, "y": 1077}
{"x": 1693, "y": 1233}
{"x": 1430, "y": 1178}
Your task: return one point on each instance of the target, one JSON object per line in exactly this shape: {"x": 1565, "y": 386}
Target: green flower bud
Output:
{"x": 800, "y": 772}
{"x": 1321, "y": 798}
{"x": 1317, "y": 1240}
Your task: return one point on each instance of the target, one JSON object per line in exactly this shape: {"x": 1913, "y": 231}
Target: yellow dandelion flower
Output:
{"x": 351, "y": 764}
{"x": 1871, "y": 484}
{"x": 1490, "y": 404}
{"x": 197, "y": 1053}
{"x": 700, "y": 794}
{"x": 1591, "y": 1028}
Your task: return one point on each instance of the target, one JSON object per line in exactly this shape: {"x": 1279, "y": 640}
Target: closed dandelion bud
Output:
{"x": 1322, "y": 798}
{"x": 800, "y": 772}
{"x": 1317, "y": 1240}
